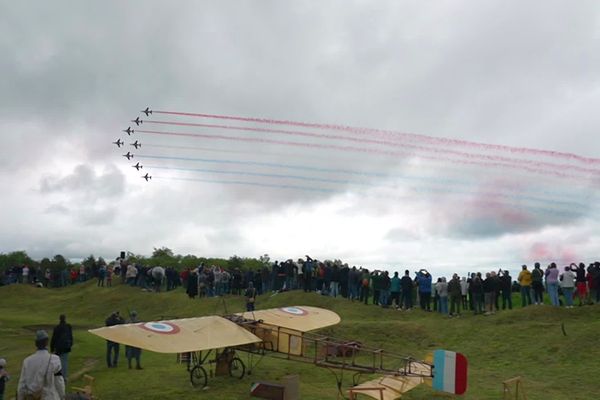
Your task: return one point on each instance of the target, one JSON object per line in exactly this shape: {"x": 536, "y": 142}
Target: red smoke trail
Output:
{"x": 456, "y": 153}
{"x": 361, "y": 150}
{"x": 397, "y": 135}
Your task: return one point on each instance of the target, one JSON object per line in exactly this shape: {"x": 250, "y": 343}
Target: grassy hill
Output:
{"x": 527, "y": 342}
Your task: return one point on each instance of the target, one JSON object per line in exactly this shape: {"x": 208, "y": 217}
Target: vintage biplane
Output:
{"x": 287, "y": 333}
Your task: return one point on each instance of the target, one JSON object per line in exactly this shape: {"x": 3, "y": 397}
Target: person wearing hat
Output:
{"x": 130, "y": 351}
{"x": 41, "y": 375}
{"x": 62, "y": 340}
{"x": 3, "y": 377}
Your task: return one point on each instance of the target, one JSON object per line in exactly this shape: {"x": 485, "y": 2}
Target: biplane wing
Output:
{"x": 179, "y": 335}
{"x": 298, "y": 318}
{"x": 448, "y": 373}
{"x": 391, "y": 387}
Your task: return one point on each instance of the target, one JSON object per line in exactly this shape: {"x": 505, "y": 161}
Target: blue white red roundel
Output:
{"x": 166, "y": 328}
{"x": 297, "y": 311}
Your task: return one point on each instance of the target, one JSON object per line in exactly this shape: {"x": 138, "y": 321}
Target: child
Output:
{"x": 3, "y": 377}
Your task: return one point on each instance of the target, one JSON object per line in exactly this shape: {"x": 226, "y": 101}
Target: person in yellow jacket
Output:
{"x": 525, "y": 282}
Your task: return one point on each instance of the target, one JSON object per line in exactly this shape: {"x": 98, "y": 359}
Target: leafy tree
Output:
{"x": 89, "y": 263}
{"x": 162, "y": 252}
{"x": 15, "y": 258}
{"x": 235, "y": 262}
{"x": 59, "y": 263}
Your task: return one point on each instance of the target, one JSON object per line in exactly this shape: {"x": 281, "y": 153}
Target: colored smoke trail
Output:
{"x": 246, "y": 183}
{"x": 360, "y": 150}
{"x": 416, "y": 179}
{"x": 410, "y": 136}
{"x": 486, "y": 194}
{"x": 446, "y": 152}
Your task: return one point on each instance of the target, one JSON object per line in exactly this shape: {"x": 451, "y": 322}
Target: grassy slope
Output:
{"x": 526, "y": 342}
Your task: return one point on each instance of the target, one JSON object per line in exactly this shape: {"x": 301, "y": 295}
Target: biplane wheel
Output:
{"x": 237, "y": 369}
{"x": 198, "y": 376}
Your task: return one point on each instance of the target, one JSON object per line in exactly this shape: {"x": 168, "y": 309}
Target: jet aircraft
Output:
{"x": 147, "y": 111}
{"x": 119, "y": 142}
{"x": 136, "y": 144}
{"x": 137, "y": 121}
{"x": 138, "y": 166}
{"x": 146, "y": 177}
{"x": 129, "y": 156}
{"x": 128, "y": 131}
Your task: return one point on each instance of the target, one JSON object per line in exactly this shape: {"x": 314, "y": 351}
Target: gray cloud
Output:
{"x": 86, "y": 183}
{"x": 496, "y": 72}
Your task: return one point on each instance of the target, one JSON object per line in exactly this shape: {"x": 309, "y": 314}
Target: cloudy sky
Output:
{"x": 481, "y": 130}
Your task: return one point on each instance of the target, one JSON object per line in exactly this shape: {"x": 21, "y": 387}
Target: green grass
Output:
{"x": 523, "y": 342}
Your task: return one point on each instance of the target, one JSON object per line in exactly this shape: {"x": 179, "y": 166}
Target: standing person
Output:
{"x": 61, "y": 343}
{"x": 525, "y": 282}
{"x": 41, "y": 375}
{"x": 441, "y": 288}
{"x": 464, "y": 290}
{"x": 476, "y": 288}
{"x": 25, "y": 273}
{"x": 384, "y": 293}
{"x": 109, "y": 276}
{"x": 364, "y": 286}
{"x": 335, "y": 281}
{"x": 552, "y": 284}
{"x": 4, "y": 377}
{"x": 307, "y": 274}
{"x": 395, "y": 290}
{"x": 537, "y": 284}
{"x": 130, "y": 351}
{"x": 101, "y": 275}
{"x": 250, "y": 296}
{"x": 581, "y": 282}
{"x": 406, "y": 287}
{"x": 455, "y": 293}
{"x": 112, "y": 348}
{"x": 131, "y": 274}
{"x": 436, "y": 296}
{"x": 376, "y": 277}
{"x": 424, "y": 282}
{"x": 506, "y": 289}
{"x": 488, "y": 294}
{"x": 82, "y": 273}
{"x": 567, "y": 284}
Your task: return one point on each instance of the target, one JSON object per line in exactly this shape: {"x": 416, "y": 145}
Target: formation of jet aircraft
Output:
{"x": 129, "y": 131}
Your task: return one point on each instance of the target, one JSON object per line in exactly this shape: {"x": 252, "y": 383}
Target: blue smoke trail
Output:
{"x": 440, "y": 181}
{"x": 247, "y": 183}
{"x": 517, "y": 198}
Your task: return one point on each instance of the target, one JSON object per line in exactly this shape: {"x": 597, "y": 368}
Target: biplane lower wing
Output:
{"x": 391, "y": 387}
{"x": 297, "y": 318}
{"x": 444, "y": 371}
{"x": 179, "y": 335}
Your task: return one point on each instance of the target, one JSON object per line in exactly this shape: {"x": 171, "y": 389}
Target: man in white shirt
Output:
{"x": 41, "y": 373}
{"x": 25, "y": 274}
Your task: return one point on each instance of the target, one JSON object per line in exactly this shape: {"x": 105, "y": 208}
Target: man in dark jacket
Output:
{"x": 455, "y": 295}
{"x": 61, "y": 343}
{"x": 406, "y": 288}
{"x": 112, "y": 348}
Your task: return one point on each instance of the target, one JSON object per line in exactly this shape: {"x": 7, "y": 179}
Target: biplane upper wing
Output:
{"x": 299, "y": 318}
{"x": 179, "y": 335}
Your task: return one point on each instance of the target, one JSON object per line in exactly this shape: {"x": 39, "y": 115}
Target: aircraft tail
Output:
{"x": 449, "y": 372}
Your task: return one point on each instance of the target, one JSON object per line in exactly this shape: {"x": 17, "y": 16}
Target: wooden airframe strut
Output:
{"x": 519, "y": 393}
{"x": 354, "y": 392}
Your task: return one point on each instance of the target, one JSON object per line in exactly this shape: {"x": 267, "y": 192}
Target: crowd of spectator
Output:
{"x": 479, "y": 293}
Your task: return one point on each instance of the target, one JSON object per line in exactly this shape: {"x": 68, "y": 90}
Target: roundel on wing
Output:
{"x": 166, "y": 328}
{"x": 297, "y": 311}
